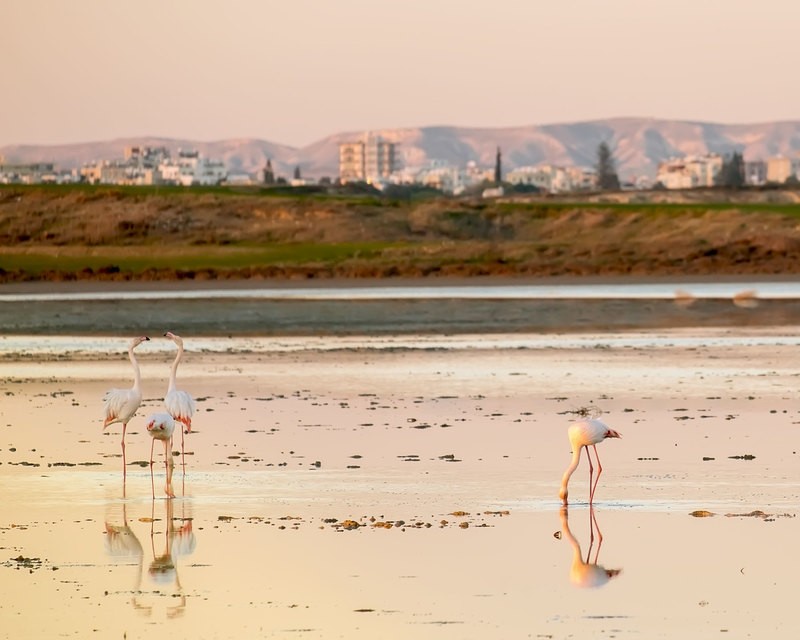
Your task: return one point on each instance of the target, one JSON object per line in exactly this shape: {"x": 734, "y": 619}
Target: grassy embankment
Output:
{"x": 74, "y": 232}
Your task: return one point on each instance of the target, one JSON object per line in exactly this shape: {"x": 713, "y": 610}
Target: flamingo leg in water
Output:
{"x": 591, "y": 473}
{"x": 593, "y": 526}
{"x": 124, "y": 465}
{"x": 152, "y": 480}
{"x": 168, "y": 465}
{"x": 599, "y": 471}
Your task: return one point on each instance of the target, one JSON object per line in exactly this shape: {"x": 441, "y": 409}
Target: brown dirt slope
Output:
{"x": 694, "y": 233}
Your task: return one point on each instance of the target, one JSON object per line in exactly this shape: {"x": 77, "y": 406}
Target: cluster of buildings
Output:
{"x": 154, "y": 165}
{"x": 375, "y": 161}
{"x": 140, "y": 166}
{"x": 704, "y": 171}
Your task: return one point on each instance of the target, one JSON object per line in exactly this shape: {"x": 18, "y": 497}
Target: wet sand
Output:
{"x": 379, "y": 490}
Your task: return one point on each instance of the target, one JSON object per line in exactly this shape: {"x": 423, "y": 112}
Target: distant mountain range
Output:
{"x": 639, "y": 144}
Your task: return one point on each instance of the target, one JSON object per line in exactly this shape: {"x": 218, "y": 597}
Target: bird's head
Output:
{"x": 137, "y": 341}
{"x": 175, "y": 338}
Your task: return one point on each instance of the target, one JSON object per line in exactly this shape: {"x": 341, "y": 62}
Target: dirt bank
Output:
{"x": 128, "y": 234}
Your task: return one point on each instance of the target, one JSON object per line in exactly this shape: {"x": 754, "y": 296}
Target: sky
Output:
{"x": 296, "y": 71}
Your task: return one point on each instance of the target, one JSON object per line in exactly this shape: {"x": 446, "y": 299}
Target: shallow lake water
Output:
{"x": 394, "y": 487}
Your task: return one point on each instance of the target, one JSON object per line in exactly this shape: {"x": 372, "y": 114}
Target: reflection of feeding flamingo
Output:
{"x": 163, "y": 570}
{"x": 586, "y": 573}
{"x": 179, "y": 403}
{"x": 582, "y": 435}
{"x": 160, "y": 426}
{"x": 121, "y": 404}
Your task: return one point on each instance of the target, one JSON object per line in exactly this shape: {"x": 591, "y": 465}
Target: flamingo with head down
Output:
{"x": 583, "y": 434}
{"x": 160, "y": 426}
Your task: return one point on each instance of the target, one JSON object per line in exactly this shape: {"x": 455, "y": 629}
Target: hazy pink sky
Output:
{"x": 295, "y": 71}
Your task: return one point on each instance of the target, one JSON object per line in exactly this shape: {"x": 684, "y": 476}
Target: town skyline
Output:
{"x": 294, "y": 72}
{"x": 645, "y": 151}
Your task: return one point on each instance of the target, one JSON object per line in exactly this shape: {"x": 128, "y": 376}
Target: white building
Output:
{"x": 554, "y": 179}
{"x": 190, "y": 168}
{"x": 690, "y": 172}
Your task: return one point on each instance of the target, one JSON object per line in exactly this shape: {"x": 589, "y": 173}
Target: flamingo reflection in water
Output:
{"x": 163, "y": 569}
{"x": 586, "y": 572}
{"x": 121, "y": 542}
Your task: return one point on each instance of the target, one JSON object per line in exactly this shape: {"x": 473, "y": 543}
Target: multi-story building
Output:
{"x": 554, "y": 179}
{"x": 26, "y": 173}
{"x": 690, "y": 172}
{"x": 755, "y": 172}
{"x": 371, "y": 160}
{"x": 779, "y": 169}
{"x": 190, "y": 168}
{"x": 352, "y": 162}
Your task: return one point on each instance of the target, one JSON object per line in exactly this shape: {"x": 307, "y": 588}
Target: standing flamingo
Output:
{"x": 582, "y": 435}
{"x": 160, "y": 427}
{"x": 179, "y": 403}
{"x": 121, "y": 404}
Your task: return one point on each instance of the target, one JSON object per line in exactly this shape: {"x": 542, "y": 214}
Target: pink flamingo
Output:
{"x": 122, "y": 404}
{"x": 160, "y": 426}
{"x": 582, "y": 435}
{"x": 179, "y": 403}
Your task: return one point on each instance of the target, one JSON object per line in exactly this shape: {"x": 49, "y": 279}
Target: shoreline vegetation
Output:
{"x": 148, "y": 234}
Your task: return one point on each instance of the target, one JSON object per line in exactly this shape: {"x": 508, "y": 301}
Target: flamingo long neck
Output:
{"x": 137, "y": 376}
{"x": 174, "y": 371}
{"x": 576, "y": 458}
{"x": 577, "y": 556}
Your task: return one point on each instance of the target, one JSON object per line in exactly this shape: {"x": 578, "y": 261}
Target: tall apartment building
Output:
{"x": 779, "y": 169}
{"x": 371, "y": 160}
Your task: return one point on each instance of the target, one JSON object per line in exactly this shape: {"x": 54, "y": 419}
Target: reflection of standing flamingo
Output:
{"x": 582, "y": 435}
{"x": 121, "y": 543}
{"x": 586, "y": 573}
{"x": 160, "y": 427}
{"x": 179, "y": 403}
{"x": 121, "y": 404}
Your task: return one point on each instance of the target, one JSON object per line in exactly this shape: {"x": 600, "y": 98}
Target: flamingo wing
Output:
{"x": 120, "y": 405}
{"x": 180, "y": 406}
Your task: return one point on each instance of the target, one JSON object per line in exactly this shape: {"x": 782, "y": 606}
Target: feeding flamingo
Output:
{"x": 582, "y": 435}
{"x": 179, "y": 403}
{"x": 121, "y": 404}
{"x": 160, "y": 426}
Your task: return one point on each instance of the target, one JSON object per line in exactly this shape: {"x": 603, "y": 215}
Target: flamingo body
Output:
{"x": 120, "y": 405}
{"x": 160, "y": 426}
{"x": 180, "y": 406}
{"x": 583, "y": 434}
{"x": 179, "y": 403}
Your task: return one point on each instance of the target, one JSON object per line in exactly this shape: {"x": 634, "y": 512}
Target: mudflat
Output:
{"x": 388, "y": 486}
